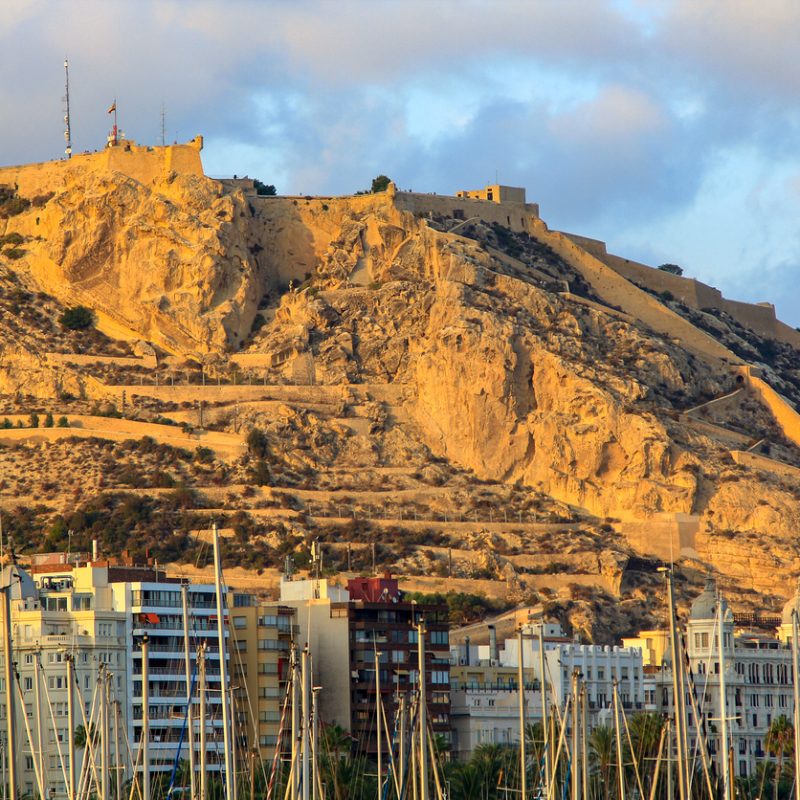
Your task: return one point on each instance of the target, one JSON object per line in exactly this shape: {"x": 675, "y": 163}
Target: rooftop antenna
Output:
{"x": 163, "y": 125}
{"x": 67, "y": 122}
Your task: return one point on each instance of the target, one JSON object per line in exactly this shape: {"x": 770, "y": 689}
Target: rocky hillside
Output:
{"x": 477, "y": 400}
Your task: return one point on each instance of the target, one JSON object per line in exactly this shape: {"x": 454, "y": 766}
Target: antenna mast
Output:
{"x": 163, "y": 126}
{"x": 67, "y": 126}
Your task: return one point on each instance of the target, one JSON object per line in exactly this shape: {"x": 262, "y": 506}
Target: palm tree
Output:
{"x": 779, "y": 743}
{"x": 534, "y": 744}
{"x": 466, "y": 781}
{"x": 495, "y": 762}
{"x": 645, "y": 730}
{"x": 602, "y": 746}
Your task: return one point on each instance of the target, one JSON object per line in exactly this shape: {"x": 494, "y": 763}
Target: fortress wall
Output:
{"x": 139, "y": 162}
{"x": 757, "y": 461}
{"x": 513, "y": 215}
{"x": 781, "y": 408}
{"x": 616, "y": 290}
{"x": 760, "y": 317}
{"x": 594, "y": 246}
{"x": 224, "y": 444}
{"x": 665, "y": 536}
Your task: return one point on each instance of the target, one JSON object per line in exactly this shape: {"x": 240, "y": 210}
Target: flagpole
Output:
{"x": 115, "y": 121}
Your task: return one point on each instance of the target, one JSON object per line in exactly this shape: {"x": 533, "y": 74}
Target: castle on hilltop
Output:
{"x": 143, "y": 163}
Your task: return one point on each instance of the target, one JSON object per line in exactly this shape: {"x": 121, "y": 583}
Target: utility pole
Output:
{"x": 163, "y": 125}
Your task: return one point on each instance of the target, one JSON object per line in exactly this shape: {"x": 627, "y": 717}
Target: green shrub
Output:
{"x": 33, "y": 420}
{"x": 204, "y": 455}
{"x": 14, "y": 253}
{"x": 12, "y": 239}
{"x": 48, "y": 420}
{"x": 63, "y": 422}
{"x": 77, "y": 318}
{"x": 257, "y": 443}
{"x": 13, "y": 206}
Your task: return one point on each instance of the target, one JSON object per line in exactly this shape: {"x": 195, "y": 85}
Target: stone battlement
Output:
{"x": 142, "y": 163}
{"x": 760, "y": 317}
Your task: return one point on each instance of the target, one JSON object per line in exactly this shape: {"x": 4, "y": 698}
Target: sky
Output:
{"x": 668, "y": 128}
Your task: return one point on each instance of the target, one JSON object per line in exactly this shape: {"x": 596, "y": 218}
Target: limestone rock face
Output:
{"x": 168, "y": 260}
{"x": 500, "y": 358}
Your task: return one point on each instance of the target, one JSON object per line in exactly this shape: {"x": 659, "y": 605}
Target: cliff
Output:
{"x": 422, "y": 356}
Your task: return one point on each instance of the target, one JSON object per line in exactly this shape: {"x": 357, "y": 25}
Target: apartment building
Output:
{"x": 484, "y": 703}
{"x": 345, "y": 628}
{"x": 260, "y": 650}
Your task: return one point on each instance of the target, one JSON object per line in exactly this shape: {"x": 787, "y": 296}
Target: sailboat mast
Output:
{"x": 796, "y": 688}
{"x": 378, "y": 719}
{"x": 188, "y": 671}
{"x": 223, "y": 670}
{"x": 521, "y": 692}
{"x": 723, "y": 701}
{"x": 295, "y": 721}
{"x": 422, "y": 714}
{"x": 545, "y": 722}
{"x": 8, "y": 669}
{"x": 677, "y": 690}
{"x": 145, "y": 717}
{"x": 575, "y": 756}
{"x": 201, "y": 669}
{"x": 71, "y": 724}
{"x": 620, "y": 762}
{"x": 305, "y": 749}
{"x": 37, "y": 695}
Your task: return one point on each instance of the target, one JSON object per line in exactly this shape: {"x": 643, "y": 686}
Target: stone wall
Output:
{"x": 616, "y": 290}
{"x": 760, "y": 317}
{"x": 516, "y": 216}
{"x": 139, "y": 162}
{"x": 665, "y": 536}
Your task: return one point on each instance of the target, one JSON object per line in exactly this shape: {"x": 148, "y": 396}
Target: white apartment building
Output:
{"x": 484, "y": 697}
{"x": 598, "y": 667}
{"x": 97, "y": 613}
{"x": 155, "y": 608}
{"x": 758, "y": 678}
{"x": 62, "y": 613}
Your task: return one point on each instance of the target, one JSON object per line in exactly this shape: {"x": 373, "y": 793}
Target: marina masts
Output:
{"x": 223, "y": 672}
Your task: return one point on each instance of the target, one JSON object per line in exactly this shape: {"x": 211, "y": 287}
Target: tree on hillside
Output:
{"x": 77, "y": 318}
{"x": 673, "y": 269}
{"x": 264, "y": 189}
{"x": 380, "y": 184}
